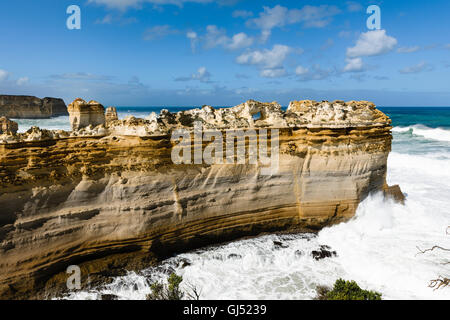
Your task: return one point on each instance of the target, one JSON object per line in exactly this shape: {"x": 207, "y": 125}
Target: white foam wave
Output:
{"x": 439, "y": 134}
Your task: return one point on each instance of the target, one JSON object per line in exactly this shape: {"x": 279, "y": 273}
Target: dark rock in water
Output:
{"x": 280, "y": 245}
{"x": 323, "y": 252}
{"x": 234, "y": 256}
{"x": 109, "y": 297}
{"x": 135, "y": 287}
{"x": 184, "y": 263}
{"x": 299, "y": 253}
{"x": 394, "y": 193}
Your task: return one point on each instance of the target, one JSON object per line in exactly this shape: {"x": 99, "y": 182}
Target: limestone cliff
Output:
{"x": 28, "y": 107}
{"x": 109, "y": 189}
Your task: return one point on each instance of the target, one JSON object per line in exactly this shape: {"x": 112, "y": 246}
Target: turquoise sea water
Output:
{"x": 378, "y": 248}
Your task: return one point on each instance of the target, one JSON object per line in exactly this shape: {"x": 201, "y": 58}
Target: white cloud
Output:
{"x": 300, "y": 71}
{"x": 309, "y": 16}
{"x": 158, "y": 32}
{"x": 216, "y": 37}
{"x": 240, "y": 40}
{"x": 422, "y": 66}
{"x": 354, "y": 65}
{"x": 372, "y": 43}
{"x": 4, "y": 75}
{"x": 22, "y": 81}
{"x": 193, "y": 37}
{"x": 447, "y": 46}
{"x": 272, "y": 73}
{"x": 125, "y": 4}
{"x": 408, "y": 49}
{"x": 201, "y": 75}
{"x": 242, "y": 14}
{"x": 268, "y": 59}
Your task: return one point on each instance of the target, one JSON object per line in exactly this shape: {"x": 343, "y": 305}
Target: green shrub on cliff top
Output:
{"x": 346, "y": 290}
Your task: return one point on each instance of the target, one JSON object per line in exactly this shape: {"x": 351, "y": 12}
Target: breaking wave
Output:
{"x": 439, "y": 134}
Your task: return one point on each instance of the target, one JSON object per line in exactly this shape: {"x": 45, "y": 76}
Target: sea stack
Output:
{"x": 83, "y": 114}
{"x": 111, "y": 115}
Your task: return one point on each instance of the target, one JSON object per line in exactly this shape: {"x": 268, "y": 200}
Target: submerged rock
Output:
{"x": 323, "y": 252}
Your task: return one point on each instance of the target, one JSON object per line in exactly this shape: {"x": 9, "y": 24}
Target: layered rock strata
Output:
{"x": 28, "y": 107}
{"x": 114, "y": 188}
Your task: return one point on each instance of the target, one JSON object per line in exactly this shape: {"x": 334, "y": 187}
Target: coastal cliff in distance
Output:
{"x": 28, "y": 107}
{"x": 113, "y": 189}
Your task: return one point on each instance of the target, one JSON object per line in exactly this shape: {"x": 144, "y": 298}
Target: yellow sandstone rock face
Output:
{"x": 83, "y": 114}
{"x": 77, "y": 198}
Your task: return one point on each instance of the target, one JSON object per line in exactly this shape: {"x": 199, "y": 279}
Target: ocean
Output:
{"x": 379, "y": 248}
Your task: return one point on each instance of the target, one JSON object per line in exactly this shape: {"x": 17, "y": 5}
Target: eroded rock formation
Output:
{"x": 7, "y": 126}
{"x": 104, "y": 190}
{"x": 28, "y": 107}
{"x": 111, "y": 115}
{"x": 83, "y": 114}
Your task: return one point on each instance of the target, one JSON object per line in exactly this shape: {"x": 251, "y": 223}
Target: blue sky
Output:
{"x": 195, "y": 52}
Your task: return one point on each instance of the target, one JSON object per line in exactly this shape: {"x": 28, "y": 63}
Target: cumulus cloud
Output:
{"x": 201, "y": 75}
{"x": 216, "y": 37}
{"x": 408, "y": 49}
{"x": 300, "y": 71}
{"x": 158, "y": 32}
{"x": 266, "y": 58}
{"x": 279, "y": 16}
{"x": 422, "y": 66}
{"x": 354, "y": 65}
{"x": 372, "y": 43}
{"x": 270, "y": 61}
